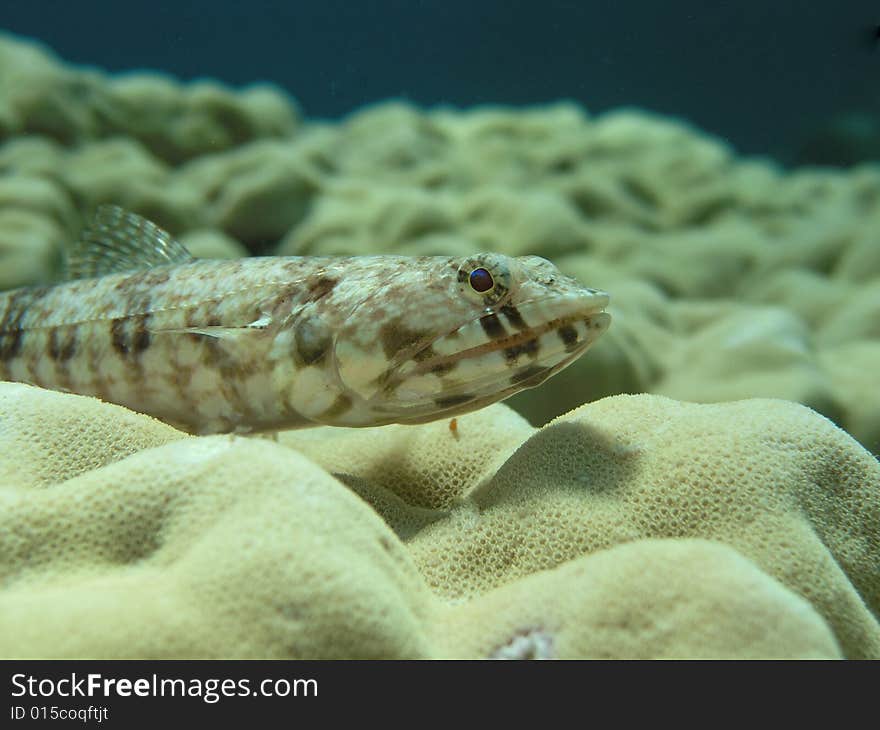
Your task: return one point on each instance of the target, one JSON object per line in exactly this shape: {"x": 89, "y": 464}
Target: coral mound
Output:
{"x": 631, "y": 527}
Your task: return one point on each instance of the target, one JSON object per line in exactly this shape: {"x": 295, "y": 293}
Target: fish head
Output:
{"x": 439, "y": 336}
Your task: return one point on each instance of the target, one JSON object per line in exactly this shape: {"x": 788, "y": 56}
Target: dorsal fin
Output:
{"x": 117, "y": 241}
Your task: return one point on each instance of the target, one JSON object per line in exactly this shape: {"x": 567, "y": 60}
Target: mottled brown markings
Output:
{"x": 138, "y": 298}
{"x": 514, "y": 317}
{"x": 492, "y": 327}
{"x": 533, "y": 371}
{"x": 529, "y": 347}
{"x": 140, "y": 340}
{"x": 424, "y": 354}
{"x": 213, "y": 352}
{"x": 10, "y": 344}
{"x": 319, "y": 286}
{"x": 444, "y": 368}
{"x": 130, "y": 335}
{"x": 441, "y": 368}
{"x": 182, "y": 378}
{"x": 452, "y": 400}
{"x": 569, "y": 337}
{"x": 231, "y": 370}
{"x": 63, "y": 343}
{"x": 117, "y": 336}
{"x": 396, "y": 337}
{"x": 93, "y": 350}
{"x": 180, "y": 375}
{"x": 250, "y": 367}
{"x": 311, "y": 342}
{"x": 340, "y": 406}
{"x": 377, "y": 314}
{"x": 232, "y": 375}
{"x": 11, "y": 332}
{"x": 193, "y": 318}
{"x": 143, "y": 280}
{"x": 155, "y": 277}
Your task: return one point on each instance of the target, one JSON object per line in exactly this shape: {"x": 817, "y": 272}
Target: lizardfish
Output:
{"x": 270, "y": 343}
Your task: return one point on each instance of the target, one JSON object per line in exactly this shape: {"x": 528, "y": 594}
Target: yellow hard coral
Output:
{"x": 47, "y": 437}
{"x": 705, "y": 601}
{"x": 205, "y": 547}
{"x": 123, "y": 537}
{"x": 432, "y": 466}
{"x": 781, "y": 485}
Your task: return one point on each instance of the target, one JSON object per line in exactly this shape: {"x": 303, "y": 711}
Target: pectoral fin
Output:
{"x": 220, "y": 332}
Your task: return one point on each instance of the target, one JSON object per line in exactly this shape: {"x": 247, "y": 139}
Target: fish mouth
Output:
{"x": 500, "y": 353}
{"x": 575, "y": 332}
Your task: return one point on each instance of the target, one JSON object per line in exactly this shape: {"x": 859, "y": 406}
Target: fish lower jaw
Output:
{"x": 573, "y": 332}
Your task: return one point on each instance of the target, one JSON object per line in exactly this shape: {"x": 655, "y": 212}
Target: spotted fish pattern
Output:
{"x": 270, "y": 343}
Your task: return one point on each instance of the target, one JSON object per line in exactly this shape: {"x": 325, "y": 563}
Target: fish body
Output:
{"x": 270, "y": 343}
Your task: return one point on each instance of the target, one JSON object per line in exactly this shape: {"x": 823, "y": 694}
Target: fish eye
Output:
{"x": 485, "y": 279}
{"x": 481, "y": 280}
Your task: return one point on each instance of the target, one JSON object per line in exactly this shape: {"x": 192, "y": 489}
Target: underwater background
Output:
{"x": 790, "y": 79}
{"x": 703, "y": 483}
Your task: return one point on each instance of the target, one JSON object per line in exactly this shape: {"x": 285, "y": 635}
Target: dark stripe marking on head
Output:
{"x": 514, "y": 317}
{"x": 529, "y": 347}
{"x": 569, "y": 337}
{"x": 492, "y": 327}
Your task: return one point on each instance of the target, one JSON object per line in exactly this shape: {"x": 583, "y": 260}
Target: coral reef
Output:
{"x": 635, "y": 526}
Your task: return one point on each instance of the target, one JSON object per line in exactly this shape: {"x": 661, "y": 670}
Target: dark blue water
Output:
{"x": 765, "y": 74}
